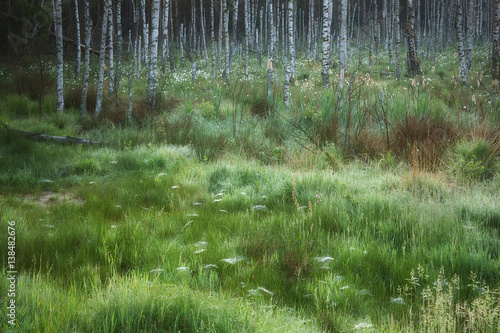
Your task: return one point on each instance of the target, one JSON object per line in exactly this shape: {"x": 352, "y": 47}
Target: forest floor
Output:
{"x": 223, "y": 212}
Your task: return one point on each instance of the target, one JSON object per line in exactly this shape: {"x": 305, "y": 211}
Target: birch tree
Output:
{"x": 78, "y": 42}
{"x": 145, "y": 34}
{"x": 86, "y": 59}
{"x": 291, "y": 38}
{"x": 60, "y": 62}
{"x": 102, "y": 58}
{"x": 325, "y": 37}
{"x": 203, "y": 36}
{"x": 247, "y": 28}
{"x": 226, "y": 41}
{"x": 461, "y": 47}
{"x": 119, "y": 42}
{"x": 111, "y": 50}
{"x": 397, "y": 32}
{"x": 272, "y": 26}
{"x": 470, "y": 38}
{"x": 165, "y": 35}
{"x": 412, "y": 61}
{"x": 343, "y": 44}
{"x": 495, "y": 53}
{"x": 155, "y": 22}
{"x": 212, "y": 36}
{"x": 389, "y": 28}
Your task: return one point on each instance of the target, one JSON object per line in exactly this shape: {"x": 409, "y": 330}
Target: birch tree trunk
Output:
{"x": 221, "y": 36}
{"x": 272, "y": 26}
{"x": 291, "y": 38}
{"x": 119, "y": 42}
{"x": 287, "y": 87}
{"x": 203, "y": 37}
{"x": 145, "y": 34}
{"x": 246, "y": 36}
{"x": 212, "y": 36}
{"x": 60, "y": 60}
{"x": 412, "y": 61}
{"x": 310, "y": 29}
{"x": 390, "y": 21}
{"x": 153, "y": 63}
{"x": 343, "y": 44}
{"x": 261, "y": 35}
{"x": 397, "y": 30}
{"x": 165, "y": 44}
{"x": 461, "y": 47}
{"x": 170, "y": 43}
{"x": 86, "y": 59}
{"x": 226, "y": 41}
{"x": 495, "y": 53}
{"x": 102, "y": 58}
{"x": 284, "y": 43}
{"x": 371, "y": 29}
{"x": 470, "y": 36}
{"x": 361, "y": 37}
{"x": 193, "y": 35}
{"x": 325, "y": 36}
{"x": 111, "y": 51}
{"x": 78, "y": 42}
{"x": 386, "y": 21}
{"x": 182, "y": 41}
{"x": 269, "y": 78}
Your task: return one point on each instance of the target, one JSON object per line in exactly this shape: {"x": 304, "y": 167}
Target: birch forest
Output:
{"x": 250, "y": 165}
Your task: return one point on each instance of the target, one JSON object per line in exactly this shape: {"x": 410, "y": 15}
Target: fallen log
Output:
{"x": 385, "y": 73}
{"x": 82, "y": 47}
{"x": 59, "y": 139}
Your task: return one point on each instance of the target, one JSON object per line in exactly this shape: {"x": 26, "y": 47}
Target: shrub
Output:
{"x": 474, "y": 160}
{"x": 20, "y": 105}
{"x": 422, "y": 140}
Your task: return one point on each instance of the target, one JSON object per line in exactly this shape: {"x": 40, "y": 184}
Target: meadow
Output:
{"x": 374, "y": 208}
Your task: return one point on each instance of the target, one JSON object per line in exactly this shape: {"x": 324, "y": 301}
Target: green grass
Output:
{"x": 213, "y": 216}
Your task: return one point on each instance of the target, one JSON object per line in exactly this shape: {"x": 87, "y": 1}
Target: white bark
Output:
{"x": 78, "y": 41}
{"x": 130, "y": 100}
{"x": 60, "y": 60}
{"x": 291, "y": 38}
{"x": 182, "y": 40}
{"x": 119, "y": 42}
{"x": 389, "y": 32}
{"x": 153, "y": 63}
{"x": 102, "y": 58}
{"x": 272, "y": 26}
{"x": 86, "y": 59}
{"x": 221, "y": 36}
{"x": 398, "y": 40}
{"x": 325, "y": 36}
{"x": 269, "y": 78}
{"x": 260, "y": 36}
{"x": 287, "y": 87}
{"x": 212, "y": 36}
{"x": 310, "y": 29}
{"x": 166, "y": 8}
{"x": 495, "y": 54}
{"x": 343, "y": 43}
{"x": 461, "y": 47}
{"x": 283, "y": 36}
{"x": 386, "y": 23}
{"x": 246, "y": 36}
{"x": 226, "y": 41}
{"x": 203, "y": 37}
{"x": 470, "y": 36}
{"x": 111, "y": 51}
{"x": 145, "y": 34}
